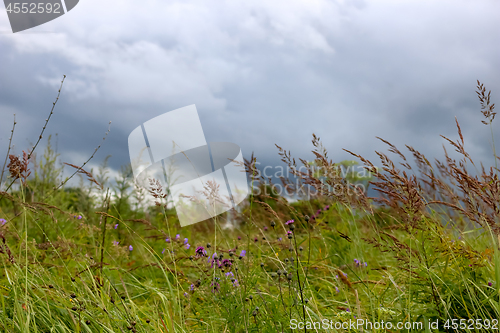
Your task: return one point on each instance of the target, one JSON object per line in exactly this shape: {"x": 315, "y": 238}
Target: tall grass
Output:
{"x": 98, "y": 258}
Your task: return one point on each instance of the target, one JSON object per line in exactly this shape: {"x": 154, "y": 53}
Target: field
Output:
{"x": 421, "y": 256}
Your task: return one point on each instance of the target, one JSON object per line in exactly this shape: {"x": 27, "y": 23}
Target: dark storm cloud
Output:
{"x": 259, "y": 72}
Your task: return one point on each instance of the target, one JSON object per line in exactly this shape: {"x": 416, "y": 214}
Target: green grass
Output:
{"x": 94, "y": 258}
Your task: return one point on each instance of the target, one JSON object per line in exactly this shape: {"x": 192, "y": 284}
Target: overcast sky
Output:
{"x": 260, "y": 72}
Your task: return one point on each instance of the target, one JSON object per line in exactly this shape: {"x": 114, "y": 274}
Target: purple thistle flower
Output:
{"x": 255, "y": 239}
{"x": 200, "y": 251}
{"x": 225, "y": 263}
{"x": 116, "y": 225}
{"x": 239, "y": 237}
{"x": 490, "y": 284}
{"x": 265, "y": 228}
{"x": 289, "y": 232}
{"x": 327, "y": 207}
{"x": 130, "y": 247}
{"x": 289, "y": 222}
{"x": 185, "y": 241}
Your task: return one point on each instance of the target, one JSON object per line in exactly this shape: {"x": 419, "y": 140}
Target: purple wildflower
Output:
{"x": 289, "y": 232}
{"x": 280, "y": 239}
{"x": 167, "y": 240}
{"x": 200, "y": 251}
{"x": 366, "y": 264}
{"x": 327, "y": 207}
{"x": 116, "y": 225}
{"x": 130, "y": 247}
{"x": 185, "y": 294}
{"x": 229, "y": 274}
{"x": 215, "y": 287}
{"x": 337, "y": 289}
{"x": 185, "y": 241}
{"x": 225, "y": 263}
{"x": 3, "y": 221}
{"x": 239, "y": 237}
{"x": 265, "y": 228}
{"x": 289, "y": 222}
{"x": 243, "y": 253}
{"x": 79, "y": 217}
{"x": 191, "y": 287}
{"x": 188, "y": 246}
{"x": 177, "y": 237}
{"x": 490, "y": 284}
{"x": 163, "y": 252}
{"x": 115, "y": 243}
{"x": 235, "y": 283}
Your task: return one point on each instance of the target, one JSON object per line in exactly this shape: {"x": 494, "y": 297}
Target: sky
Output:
{"x": 259, "y": 72}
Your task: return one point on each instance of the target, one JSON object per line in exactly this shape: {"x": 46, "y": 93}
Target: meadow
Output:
{"x": 420, "y": 256}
